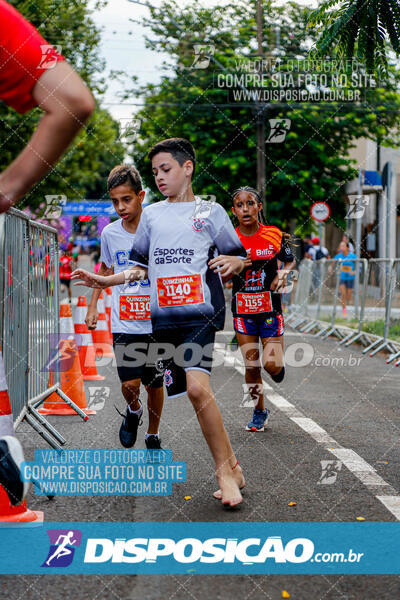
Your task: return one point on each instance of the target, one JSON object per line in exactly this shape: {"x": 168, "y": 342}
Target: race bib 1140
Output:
{"x": 180, "y": 291}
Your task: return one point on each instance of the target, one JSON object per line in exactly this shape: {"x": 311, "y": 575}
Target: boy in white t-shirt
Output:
{"x": 130, "y": 310}
{"x": 187, "y": 246}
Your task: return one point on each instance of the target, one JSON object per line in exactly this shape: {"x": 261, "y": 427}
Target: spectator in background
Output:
{"x": 307, "y": 244}
{"x": 317, "y": 251}
{"x": 67, "y": 265}
{"x": 29, "y": 78}
{"x": 347, "y": 274}
{"x": 347, "y": 240}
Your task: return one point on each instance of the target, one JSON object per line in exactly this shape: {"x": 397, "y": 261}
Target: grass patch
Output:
{"x": 373, "y": 327}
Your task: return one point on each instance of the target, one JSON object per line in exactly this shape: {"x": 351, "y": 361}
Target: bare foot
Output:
{"x": 231, "y": 484}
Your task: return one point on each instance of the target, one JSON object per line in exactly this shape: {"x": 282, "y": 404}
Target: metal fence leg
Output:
{"x": 374, "y": 343}
{"x": 346, "y": 338}
{"x": 393, "y": 357}
{"x": 309, "y": 327}
{"x": 70, "y": 403}
{"x": 42, "y": 431}
{"x": 353, "y": 338}
{"x": 34, "y": 413}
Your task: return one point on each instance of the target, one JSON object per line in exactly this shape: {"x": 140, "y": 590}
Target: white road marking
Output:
{"x": 312, "y": 428}
{"x": 354, "y": 463}
{"x": 392, "y": 503}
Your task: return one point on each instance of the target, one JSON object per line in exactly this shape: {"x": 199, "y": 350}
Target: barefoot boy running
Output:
{"x": 130, "y": 309}
{"x": 187, "y": 245}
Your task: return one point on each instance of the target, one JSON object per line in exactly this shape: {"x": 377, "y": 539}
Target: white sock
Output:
{"x": 136, "y": 412}
{"x": 149, "y": 434}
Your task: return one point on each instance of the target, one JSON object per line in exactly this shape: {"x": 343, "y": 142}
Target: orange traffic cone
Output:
{"x": 107, "y": 302}
{"x": 101, "y": 337}
{"x": 87, "y": 353}
{"x": 70, "y": 378}
{"x": 9, "y": 513}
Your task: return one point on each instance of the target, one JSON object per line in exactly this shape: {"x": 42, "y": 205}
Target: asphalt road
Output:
{"x": 339, "y": 400}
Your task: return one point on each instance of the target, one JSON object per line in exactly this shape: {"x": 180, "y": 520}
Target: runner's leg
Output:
{"x": 249, "y": 346}
{"x": 228, "y": 472}
{"x": 349, "y": 293}
{"x": 273, "y": 354}
{"x": 155, "y": 401}
{"x": 130, "y": 391}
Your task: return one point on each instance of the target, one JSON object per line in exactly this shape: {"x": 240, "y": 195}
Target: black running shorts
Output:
{"x": 186, "y": 349}
{"x": 133, "y": 354}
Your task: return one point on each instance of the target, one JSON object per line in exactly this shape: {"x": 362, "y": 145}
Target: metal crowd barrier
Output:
{"x": 298, "y": 310}
{"x": 395, "y": 307}
{"x": 375, "y": 297}
{"x": 29, "y": 317}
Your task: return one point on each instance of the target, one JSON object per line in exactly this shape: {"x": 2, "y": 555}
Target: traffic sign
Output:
{"x": 320, "y": 211}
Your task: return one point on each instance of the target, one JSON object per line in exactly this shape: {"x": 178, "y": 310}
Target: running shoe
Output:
{"x": 260, "y": 418}
{"x": 129, "y": 427}
{"x": 153, "y": 442}
{"x": 11, "y": 457}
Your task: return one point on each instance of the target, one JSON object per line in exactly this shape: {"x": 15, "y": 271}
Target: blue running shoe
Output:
{"x": 260, "y": 418}
{"x": 129, "y": 427}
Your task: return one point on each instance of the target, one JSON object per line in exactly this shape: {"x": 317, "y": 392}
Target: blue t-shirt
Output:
{"x": 348, "y": 267}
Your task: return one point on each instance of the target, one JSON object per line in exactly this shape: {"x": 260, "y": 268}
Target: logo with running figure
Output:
{"x": 62, "y": 547}
{"x": 255, "y": 278}
{"x": 49, "y": 58}
{"x": 202, "y": 55}
{"x": 251, "y": 395}
{"x": 330, "y": 471}
{"x": 279, "y": 130}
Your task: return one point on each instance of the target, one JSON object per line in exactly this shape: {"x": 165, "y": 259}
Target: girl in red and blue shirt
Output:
{"x": 256, "y": 298}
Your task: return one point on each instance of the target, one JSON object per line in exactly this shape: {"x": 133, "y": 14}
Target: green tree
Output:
{"x": 312, "y": 164}
{"x": 359, "y": 29}
{"x": 82, "y": 170}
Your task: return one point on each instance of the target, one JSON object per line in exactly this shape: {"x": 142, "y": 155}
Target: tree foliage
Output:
{"x": 312, "y": 164}
{"x": 359, "y": 29}
{"x": 82, "y": 170}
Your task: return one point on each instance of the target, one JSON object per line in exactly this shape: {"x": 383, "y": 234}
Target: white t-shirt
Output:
{"x": 313, "y": 251}
{"x": 130, "y": 303}
{"x": 176, "y": 240}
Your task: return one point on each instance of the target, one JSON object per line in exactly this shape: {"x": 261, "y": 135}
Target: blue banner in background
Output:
{"x": 89, "y": 207}
{"x": 93, "y": 208}
{"x": 201, "y": 548}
